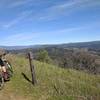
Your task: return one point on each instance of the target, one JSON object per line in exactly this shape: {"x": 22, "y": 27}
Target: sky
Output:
{"x": 31, "y": 22}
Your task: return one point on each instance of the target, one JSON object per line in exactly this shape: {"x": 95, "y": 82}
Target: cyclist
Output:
{"x": 3, "y": 68}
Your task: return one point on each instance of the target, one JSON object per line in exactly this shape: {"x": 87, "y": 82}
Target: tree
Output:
{"x": 43, "y": 56}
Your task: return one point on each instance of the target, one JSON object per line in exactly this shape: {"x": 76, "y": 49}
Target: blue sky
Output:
{"x": 30, "y": 22}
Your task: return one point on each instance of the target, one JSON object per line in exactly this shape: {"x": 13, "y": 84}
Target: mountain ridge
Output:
{"x": 91, "y": 45}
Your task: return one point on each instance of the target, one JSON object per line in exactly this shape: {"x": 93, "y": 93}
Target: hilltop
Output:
{"x": 89, "y": 45}
{"x": 54, "y": 83}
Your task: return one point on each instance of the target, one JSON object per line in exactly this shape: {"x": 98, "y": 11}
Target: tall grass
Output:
{"x": 53, "y": 83}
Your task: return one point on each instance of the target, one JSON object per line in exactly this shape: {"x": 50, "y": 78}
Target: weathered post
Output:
{"x": 32, "y": 68}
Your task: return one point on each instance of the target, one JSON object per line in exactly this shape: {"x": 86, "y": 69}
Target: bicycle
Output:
{"x": 9, "y": 74}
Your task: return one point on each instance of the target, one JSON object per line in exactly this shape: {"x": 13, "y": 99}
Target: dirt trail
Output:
{"x": 7, "y": 94}
{"x": 10, "y": 96}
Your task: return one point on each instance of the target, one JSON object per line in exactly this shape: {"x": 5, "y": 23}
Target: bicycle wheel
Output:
{"x": 9, "y": 69}
{"x": 1, "y": 81}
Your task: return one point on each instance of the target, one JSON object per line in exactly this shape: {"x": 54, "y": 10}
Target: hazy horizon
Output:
{"x": 51, "y": 44}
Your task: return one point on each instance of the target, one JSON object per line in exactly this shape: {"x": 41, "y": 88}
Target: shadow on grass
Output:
{"x": 26, "y": 78}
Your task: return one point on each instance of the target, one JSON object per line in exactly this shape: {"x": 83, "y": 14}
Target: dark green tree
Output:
{"x": 43, "y": 56}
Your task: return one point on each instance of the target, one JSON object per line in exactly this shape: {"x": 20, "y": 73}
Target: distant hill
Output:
{"x": 13, "y": 47}
{"x": 91, "y": 45}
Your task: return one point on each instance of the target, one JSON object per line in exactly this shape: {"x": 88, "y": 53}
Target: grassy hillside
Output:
{"x": 53, "y": 83}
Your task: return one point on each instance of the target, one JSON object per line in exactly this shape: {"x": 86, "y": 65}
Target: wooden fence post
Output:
{"x": 32, "y": 68}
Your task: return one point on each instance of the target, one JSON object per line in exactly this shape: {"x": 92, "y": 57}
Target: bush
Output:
{"x": 81, "y": 61}
{"x": 43, "y": 56}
